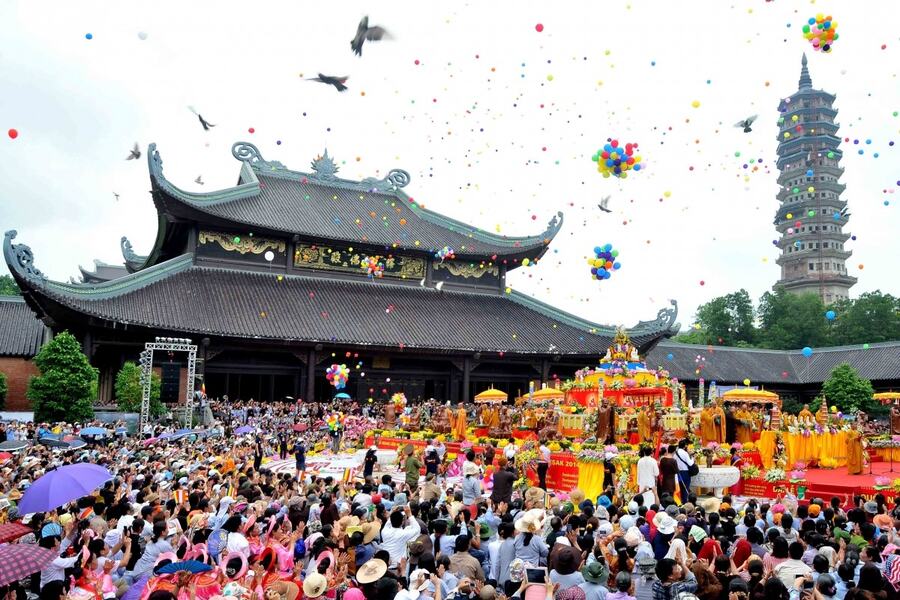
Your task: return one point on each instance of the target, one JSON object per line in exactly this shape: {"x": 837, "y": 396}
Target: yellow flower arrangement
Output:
{"x": 502, "y": 443}
{"x": 451, "y": 456}
{"x": 576, "y": 447}
{"x": 554, "y": 447}
{"x": 441, "y": 438}
{"x": 748, "y": 446}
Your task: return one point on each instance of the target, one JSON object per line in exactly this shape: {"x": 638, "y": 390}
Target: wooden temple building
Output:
{"x": 268, "y": 278}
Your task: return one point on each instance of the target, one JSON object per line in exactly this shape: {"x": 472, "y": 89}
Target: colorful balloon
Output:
{"x": 615, "y": 160}
{"x": 830, "y": 315}
{"x": 372, "y": 265}
{"x": 337, "y": 375}
{"x": 604, "y": 262}
{"x": 807, "y": 351}
{"x": 445, "y": 253}
{"x": 820, "y": 31}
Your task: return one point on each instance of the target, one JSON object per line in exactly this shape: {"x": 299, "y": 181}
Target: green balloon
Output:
{"x": 615, "y": 253}
{"x": 237, "y": 239}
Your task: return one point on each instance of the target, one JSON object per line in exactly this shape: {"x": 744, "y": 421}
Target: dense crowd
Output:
{"x": 200, "y": 516}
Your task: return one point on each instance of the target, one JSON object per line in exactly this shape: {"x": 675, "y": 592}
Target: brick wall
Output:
{"x": 18, "y": 371}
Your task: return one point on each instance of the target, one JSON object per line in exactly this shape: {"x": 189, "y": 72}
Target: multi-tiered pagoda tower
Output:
{"x": 812, "y": 215}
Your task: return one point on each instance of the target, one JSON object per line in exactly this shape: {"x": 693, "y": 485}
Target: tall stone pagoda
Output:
{"x": 811, "y": 215}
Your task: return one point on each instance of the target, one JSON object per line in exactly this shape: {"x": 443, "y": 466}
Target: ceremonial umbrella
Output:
{"x": 65, "y": 484}
{"x": 342, "y": 396}
{"x": 13, "y": 531}
{"x": 18, "y": 561}
{"x": 299, "y": 427}
{"x": 13, "y": 445}
{"x": 243, "y": 429}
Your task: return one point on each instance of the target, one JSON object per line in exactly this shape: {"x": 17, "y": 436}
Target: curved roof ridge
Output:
{"x": 249, "y": 188}
{"x": 558, "y": 314}
{"x": 20, "y": 260}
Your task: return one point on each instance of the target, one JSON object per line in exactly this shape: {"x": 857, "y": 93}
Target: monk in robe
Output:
{"x": 643, "y": 425}
{"x": 895, "y": 419}
{"x": 493, "y": 417}
{"x": 855, "y": 450}
{"x": 459, "y": 424}
{"x": 712, "y": 425}
{"x": 805, "y": 415}
{"x": 743, "y": 425}
{"x": 603, "y": 414}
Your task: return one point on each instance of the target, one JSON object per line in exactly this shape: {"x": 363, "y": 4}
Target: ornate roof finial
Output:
{"x": 324, "y": 167}
{"x": 805, "y": 79}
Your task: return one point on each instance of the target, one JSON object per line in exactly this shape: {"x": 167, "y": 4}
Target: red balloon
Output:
{"x": 539, "y": 27}
{"x": 630, "y": 161}
{"x": 13, "y": 134}
{"x": 614, "y": 143}
{"x": 605, "y": 154}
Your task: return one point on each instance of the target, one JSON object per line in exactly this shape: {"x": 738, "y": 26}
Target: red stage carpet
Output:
{"x": 836, "y": 482}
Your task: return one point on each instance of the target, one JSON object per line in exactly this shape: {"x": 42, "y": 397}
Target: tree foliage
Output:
{"x": 129, "y": 391}
{"x": 727, "y": 320}
{"x": 8, "y": 286}
{"x": 873, "y": 317}
{"x": 4, "y": 389}
{"x": 785, "y": 321}
{"x": 847, "y": 390}
{"x": 62, "y": 392}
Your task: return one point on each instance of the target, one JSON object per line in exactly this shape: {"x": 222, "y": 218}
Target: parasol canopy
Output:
{"x": 491, "y": 396}
{"x": 751, "y": 396}
{"x": 13, "y": 445}
{"x": 94, "y": 431}
{"x": 189, "y": 566}
{"x": 342, "y": 396}
{"x": 18, "y": 561}
{"x": 243, "y": 429}
{"x": 67, "y": 483}
{"x": 299, "y": 427}
{"x": 548, "y": 394}
{"x": 12, "y": 531}
{"x": 887, "y": 397}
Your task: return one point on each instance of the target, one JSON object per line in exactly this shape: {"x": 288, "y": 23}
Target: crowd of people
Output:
{"x": 202, "y": 517}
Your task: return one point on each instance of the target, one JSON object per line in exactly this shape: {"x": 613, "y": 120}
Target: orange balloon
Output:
{"x": 608, "y": 265}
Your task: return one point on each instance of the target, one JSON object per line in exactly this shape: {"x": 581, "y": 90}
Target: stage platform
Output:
{"x": 826, "y": 483}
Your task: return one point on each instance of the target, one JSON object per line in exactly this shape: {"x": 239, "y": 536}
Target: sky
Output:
{"x": 495, "y": 121}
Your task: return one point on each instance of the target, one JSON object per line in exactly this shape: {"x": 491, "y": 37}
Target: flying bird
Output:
{"x": 337, "y": 82}
{"x": 199, "y": 179}
{"x": 746, "y": 123}
{"x": 206, "y": 124}
{"x": 135, "y": 153}
{"x": 117, "y": 196}
{"x": 364, "y": 32}
{"x": 603, "y": 202}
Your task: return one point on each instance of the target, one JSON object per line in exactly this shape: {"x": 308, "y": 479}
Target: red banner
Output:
{"x": 583, "y": 397}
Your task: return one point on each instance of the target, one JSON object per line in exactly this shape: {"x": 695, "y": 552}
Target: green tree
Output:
{"x": 727, "y": 320}
{"x": 847, "y": 390}
{"x": 62, "y": 392}
{"x": 129, "y": 391}
{"x": 789, "y": 321}
{"x": 3, "y": 391}
{"x": 8, "y": 286}
{"x": 873, "y": 317}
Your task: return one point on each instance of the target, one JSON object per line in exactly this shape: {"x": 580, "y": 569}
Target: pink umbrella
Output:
{"x": 18, "y": 561}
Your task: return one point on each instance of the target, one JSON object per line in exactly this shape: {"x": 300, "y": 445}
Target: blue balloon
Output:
{"x": 616, "y": 265}
{"x": 830, "y": 315}
{"x": 607, "y": 247}
{"x": 809, "y": 173}
{"x": 836, "y": 216}
{"x": 669, "y": 356}
{"x": 637, "y": 167}
{"x": 807, "y": 351}
{"x": 597, "y": 250}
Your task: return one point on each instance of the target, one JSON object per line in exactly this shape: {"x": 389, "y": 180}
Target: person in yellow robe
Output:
{"x": 715, "y": 424}
{"x": 459, "y": 424}
{"x": 493, "y": 417}
{"x": 854, "y": 452}
{"x": 743, "y": 427}
{"x": 643, "y": 425}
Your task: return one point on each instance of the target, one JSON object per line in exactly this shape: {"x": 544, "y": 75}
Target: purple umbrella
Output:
{"x": 243, "y": 429}
{"x": 65, "y": 484}
{"x": 135, "y": 591}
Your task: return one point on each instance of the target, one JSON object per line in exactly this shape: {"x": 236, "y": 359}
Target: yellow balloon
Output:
{"x": 525, "y": 262}
{"x": 820, "y": 17}
{"x": 746, "y": 382}
{"x": 810, "y": 189}
{"x": 794, "y": 118}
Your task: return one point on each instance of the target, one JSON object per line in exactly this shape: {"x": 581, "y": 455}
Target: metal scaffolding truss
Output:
{"x": 167, "y": 345}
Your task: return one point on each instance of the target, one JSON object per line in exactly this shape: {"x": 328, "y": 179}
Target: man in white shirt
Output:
{"x": 56, "y": 570}
{"x": 793, "y": 567}
{"x": 685, "y": 461}
{"x": 510, "y": 451}
{"x": 395, "y": 535}
{"x": 647, "y": 474}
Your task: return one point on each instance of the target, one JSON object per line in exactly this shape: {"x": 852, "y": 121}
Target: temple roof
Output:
{"x": 730, "y": 365}
{"x": 179, "y": 296}
{"x": 21, "y": 333}
{"x": 102, "y": 272}
{"x": 321, "y": 206}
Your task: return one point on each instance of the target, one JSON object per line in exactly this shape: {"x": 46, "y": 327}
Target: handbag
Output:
{"x": 693, "y": 470}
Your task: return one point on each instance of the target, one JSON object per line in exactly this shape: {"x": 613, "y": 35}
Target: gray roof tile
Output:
{"x": 21, "y": 333}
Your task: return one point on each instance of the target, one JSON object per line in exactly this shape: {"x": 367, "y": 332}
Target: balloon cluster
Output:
{"x": 820, "y": 31}
{"x": 334, "y": 421}
{"x": 372, "y": 266}
{"x": 614, "y": 160}
{"x": 445, "y": 253}
{"x": 399, "y": 400}
{"x": 604, "y": 262}
{"x": 337, "y": 375}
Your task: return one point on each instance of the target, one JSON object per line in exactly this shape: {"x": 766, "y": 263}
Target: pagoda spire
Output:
{"x": 805, "y": 79}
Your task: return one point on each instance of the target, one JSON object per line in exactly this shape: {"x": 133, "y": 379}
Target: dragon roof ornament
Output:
{"x": 21, "y": 258}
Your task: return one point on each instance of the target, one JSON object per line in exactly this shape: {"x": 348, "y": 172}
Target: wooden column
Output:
{"x": 310, "y": 376}
{"x": 467, "y": 371}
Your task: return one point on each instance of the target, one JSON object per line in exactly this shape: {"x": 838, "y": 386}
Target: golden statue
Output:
{"x": 822, "y": 414}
